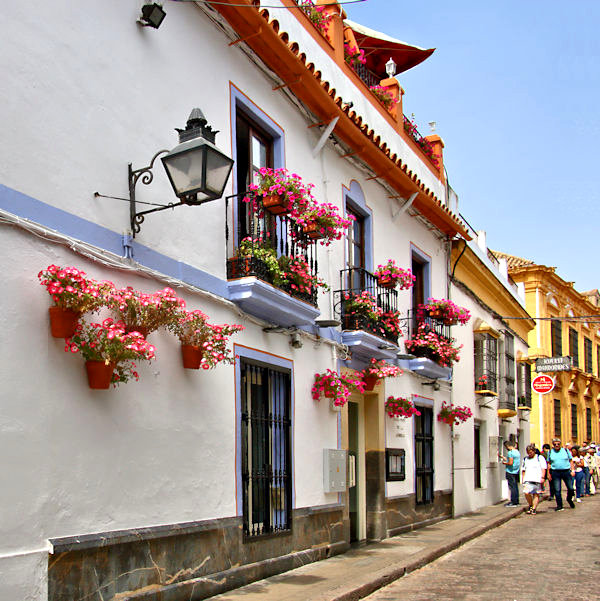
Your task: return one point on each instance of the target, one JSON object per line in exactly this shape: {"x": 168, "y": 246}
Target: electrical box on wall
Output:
{"x": 334, "y": 470}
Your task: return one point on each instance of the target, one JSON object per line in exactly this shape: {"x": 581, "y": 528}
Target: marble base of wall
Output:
{"x": 189, "y": 561}
{"x": 403, "y": 514}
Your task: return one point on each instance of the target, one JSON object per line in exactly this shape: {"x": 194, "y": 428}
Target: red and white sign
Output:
{"x": 543, "y": 384}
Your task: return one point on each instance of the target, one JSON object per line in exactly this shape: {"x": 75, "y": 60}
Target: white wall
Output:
{"x": 466, "y": 497}
{"x": 86, "y": 90}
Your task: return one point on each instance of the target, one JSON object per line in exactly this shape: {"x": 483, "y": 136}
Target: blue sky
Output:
{"x": 514, "y": 89}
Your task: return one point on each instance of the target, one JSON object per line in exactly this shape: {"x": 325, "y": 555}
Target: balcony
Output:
{"x": 262, "y": 274}
{"x": 368, "y": 312}
{"x": 427, "y": 362}
{"x": 423, "y": 143}
{"x": 507, "y": 406}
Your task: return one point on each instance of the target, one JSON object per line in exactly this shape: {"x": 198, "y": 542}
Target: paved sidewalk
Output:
{"x": 361, "y": 571}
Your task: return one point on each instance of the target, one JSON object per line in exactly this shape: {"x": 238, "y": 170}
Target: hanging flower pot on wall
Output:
{"x": 63, "y": 321}
{"x": 143, "y": 330}
{"x": 370, "y": 382}
{"x": 99, "y": 374}
{"x": 313, "y": 231}
{"x": 191, "y": 355}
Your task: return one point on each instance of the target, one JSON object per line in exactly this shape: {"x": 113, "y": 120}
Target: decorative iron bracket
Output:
{"x": 146, "y": 176}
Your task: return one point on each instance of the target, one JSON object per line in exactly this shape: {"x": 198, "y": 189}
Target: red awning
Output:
{"x": 379, "y": 48}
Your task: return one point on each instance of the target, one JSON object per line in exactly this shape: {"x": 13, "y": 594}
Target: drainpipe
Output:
{"x": 448, "y": 288}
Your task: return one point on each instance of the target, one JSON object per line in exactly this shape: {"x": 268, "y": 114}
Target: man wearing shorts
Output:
{"x": 534, "y": 473}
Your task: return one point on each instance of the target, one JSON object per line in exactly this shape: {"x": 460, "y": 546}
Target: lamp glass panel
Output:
{"x": 186, "y": 170}
{"x": 218, "y": 167}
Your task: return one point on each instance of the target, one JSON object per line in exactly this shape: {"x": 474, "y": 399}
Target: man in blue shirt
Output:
{"x": 512, "y": 461}
{"x": 562, "y": 468}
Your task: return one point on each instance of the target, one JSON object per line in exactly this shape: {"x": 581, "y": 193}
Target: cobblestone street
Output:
{"x": 551, "y": 556}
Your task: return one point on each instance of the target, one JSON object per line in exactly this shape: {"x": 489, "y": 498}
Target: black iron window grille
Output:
{"x": 486, "y": 362}
{"x": 508, "y": 398}
{"x": 588, "y": 424}
{"x": 557, "y": 420}
{"x": 587, "y": 355}
{"x": 266, "y": 450}
{"x": 574, "y": 346}
{"x": 424, "y": 456}
{"x": 261, "y": 242}
{"x": 574, "y": 432}
{"x": 556, "y": 337}
{"x": 355, "y": 315}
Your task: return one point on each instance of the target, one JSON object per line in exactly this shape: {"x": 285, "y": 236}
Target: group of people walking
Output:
{"x": 578, "y": 467}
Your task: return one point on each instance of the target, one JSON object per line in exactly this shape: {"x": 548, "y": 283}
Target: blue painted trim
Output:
{"x": 242, "y": 103}
{"x": 270, "y": 360}
{"x": 89, "y": 232}
{"x": 269, "y": 303}
{"x": 355, "y": 199}
{"x": 426, "y": 260}
{"x": 423, "y": 401}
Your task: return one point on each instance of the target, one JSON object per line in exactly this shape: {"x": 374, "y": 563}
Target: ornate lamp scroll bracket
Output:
{"x": 146, "y": 176}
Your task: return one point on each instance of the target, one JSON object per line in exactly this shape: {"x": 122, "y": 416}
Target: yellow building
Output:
{"x": 568, "y": 324}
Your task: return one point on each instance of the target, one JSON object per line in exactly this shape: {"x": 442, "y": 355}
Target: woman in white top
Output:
{"x": 534, "y": 472}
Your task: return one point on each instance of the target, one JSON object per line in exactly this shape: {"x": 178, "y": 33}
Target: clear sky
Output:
{"x": 514, "y": 88}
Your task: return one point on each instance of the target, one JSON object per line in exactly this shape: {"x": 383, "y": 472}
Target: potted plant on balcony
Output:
{"x": 447, "y": 311}
{"x": 203, "y": 345}
{"x": 430, "y": 344}
{"x": 453, "y": 415}
{"x": 109, "y": 352}
{"x": 145, "y": 313}
{"x": 353, "y": 55}
{"x": 73, "y": 294}
{"x": 317, "y": 15}
{"x": 258, "y": 248}
{"x": 400, "y": 407}
{"x": 389, "y": 275}
{"x": 282, "y": 192}
{"x": 336, "y": 387}
{"x": 296, "y": 276}
{"x": 390, "y": 325}
{"x": 384, "y": 95}
{"x": 377, "y": 370}
{"x": 322, "y": 221}
{"x": 361, "y": 304}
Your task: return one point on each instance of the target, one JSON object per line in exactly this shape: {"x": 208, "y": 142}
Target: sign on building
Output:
{"x": 543, "y": 384}
{"x": 553, "y": 364}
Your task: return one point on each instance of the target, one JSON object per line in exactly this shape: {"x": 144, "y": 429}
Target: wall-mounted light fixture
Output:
{"x": 152, "y": 15}
{"x": 434, "y": 384}
{"x": 197, "y": 169}
{"x": 390, "y": 67}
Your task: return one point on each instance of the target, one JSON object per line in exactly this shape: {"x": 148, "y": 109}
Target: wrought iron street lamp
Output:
{"x": 197, "y": 169}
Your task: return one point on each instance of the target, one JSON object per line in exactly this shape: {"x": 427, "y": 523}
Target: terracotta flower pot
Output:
{"x": 313, "y": 231}
{"x": 240, "y": 267}
{"x": 99, "y": 374}
{"x": 63, "y": 321}
{"x": 370, "y": 382}
{"x": 387, "y": 283}
{"x": 191, "y": 355}
{"x": 275, "y": 204}
{"x": 143, "y": 330}
{"x": 435, "y": 313}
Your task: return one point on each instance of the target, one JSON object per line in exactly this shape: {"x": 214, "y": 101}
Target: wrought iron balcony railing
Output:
{"x": 362, "y": 303}
{"x": 262, "y": 244}
{"x": 419, "y": 320}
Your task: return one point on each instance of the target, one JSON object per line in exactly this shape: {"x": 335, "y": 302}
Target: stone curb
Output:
{"x": 383, "y": 578}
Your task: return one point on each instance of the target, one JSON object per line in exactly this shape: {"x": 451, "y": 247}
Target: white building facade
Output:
{"x": 493, "y": 378}
{"x": 188, "y": 483}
